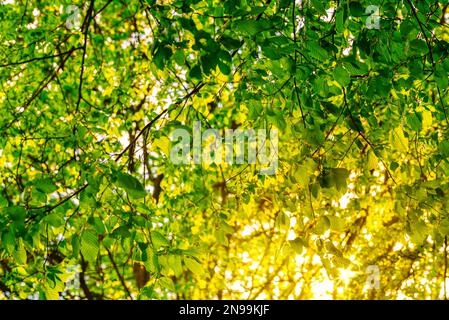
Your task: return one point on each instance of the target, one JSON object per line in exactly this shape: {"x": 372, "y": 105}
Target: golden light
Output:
{"x": 346, "y": 275}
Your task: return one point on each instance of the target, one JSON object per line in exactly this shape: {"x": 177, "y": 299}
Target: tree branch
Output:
{"x": 122, "y": 280}
{"x": 40, "y": 58}
{"x": 85, "y": 25}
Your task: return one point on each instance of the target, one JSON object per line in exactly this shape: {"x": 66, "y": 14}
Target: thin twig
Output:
{"x": 122, "y": 280}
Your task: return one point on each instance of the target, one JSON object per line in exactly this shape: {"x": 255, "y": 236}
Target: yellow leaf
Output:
{"x": 304, "y": 171}
{"x": 372, "y": 161}
{"x": 398, "y": 140}
{"x": 163, "y": 143}
{"x": 426, "y": 119}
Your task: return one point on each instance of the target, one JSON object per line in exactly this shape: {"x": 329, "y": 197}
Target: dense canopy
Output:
{"x": 92, "y": 207}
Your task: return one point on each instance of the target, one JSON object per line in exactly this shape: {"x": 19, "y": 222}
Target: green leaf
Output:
{"x": 316, "y": 51}
{"x": 131, "y": 185}
{"x": 147, "y": 292}
{"x": 251, "y": 27}
{"x": 159, "y": 240}
{"x": 443, "y": 147}
{"x": 332, "y": 249}
{"x": 175, "y": 263}
{"x": 3, "y": 202}
{"x": 336, "y": 223}
{"x": 342, "y": 76}
{"x": 150, "y": 260}
{"x": 356, "y": 9}
{"x": 356, "y": 68}
{"x": 208, "y": 63}
{"x": 319, "y": 6}
{"x": 162, "y": 56}
{"x": 224, "y": 68}
{"x": 17, "y": 214}
{"x": 255, "y": 109}
{"x": 418, "y": 47}
{"x": 224, "y": 56}
{"x": 89, "y": 246}
{"x": 230, "y": 43}
{"x": 51, "y": 293}
{"x": 394, "y": 165}
{"x": 414, "y": 120}
{"x": 302, "y": 172}
{"x": 322, "y": 225}
{"x": 398, "y": 140}
{"x": 45, "y": 185}
{"x": 179, "y": 57}
{"x": 98, "y": 224}
{"x": 441, "y": 76}
{"x": 193, "y": 266}
{"x": 167, "y": 283}
{"x": 282, "y": 220}
{"x": 444, "y": 226}
{"x": 340, "y": 21}
{"x": 195, "y": 72}
{"x": 278, "y": 120}
{"x": 418, "y": 231}
{"x": 9, "y": 241}
{"x": 297, "y": 245}
{"x": 54, "y": 219}
{"x": 20, "y": 255}
{"x": 75, "y": 245}
{"x": 121, "y": 232}
{"x": 334, "y": 177}
{"x": 220, "y": 235}
{"x": 340, "y": 175}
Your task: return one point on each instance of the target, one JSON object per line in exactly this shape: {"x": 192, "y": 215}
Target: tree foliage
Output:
{"x": 91, "y": 206}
